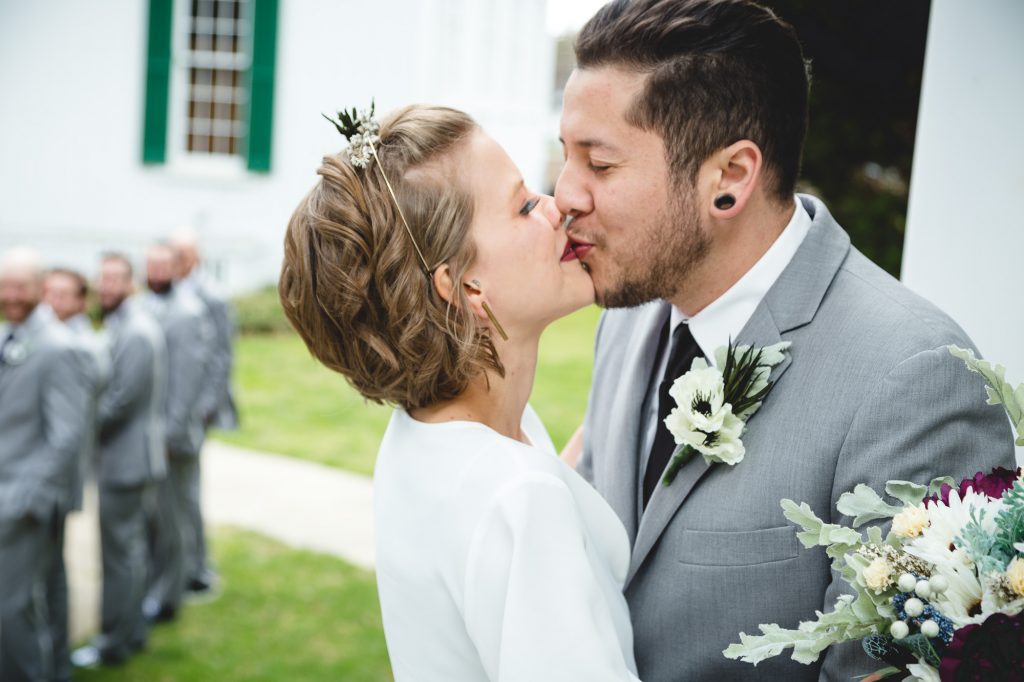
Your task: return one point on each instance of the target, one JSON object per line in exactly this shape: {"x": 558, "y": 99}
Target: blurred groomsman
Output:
{"x": 218, "y": 400}
{"x": 43, "y": 406}
{"x": 188, "y": 336}
{"x": 65, "y": 291}
{"x": 131, "y": 458}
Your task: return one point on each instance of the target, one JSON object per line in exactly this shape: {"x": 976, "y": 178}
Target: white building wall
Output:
{"x": 964, "y": 247}
{"x": 71, "y": 109}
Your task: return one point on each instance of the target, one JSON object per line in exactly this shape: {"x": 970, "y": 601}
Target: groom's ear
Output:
{"x": 735, "y": 171}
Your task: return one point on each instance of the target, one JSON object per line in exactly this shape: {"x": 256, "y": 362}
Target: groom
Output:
{"x": 683, "y": 127}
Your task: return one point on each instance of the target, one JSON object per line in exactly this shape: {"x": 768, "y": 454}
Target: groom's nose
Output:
{"x": 571, "y": 192}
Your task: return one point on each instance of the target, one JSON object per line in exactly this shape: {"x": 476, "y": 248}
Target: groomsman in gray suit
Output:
{"x": 188, "y": 337}
{"x": 683, "y": 127}
{"x": 131, "y": 458}
{"x": 218, "y": 402}
{"x": 44, "y": 401}
{"x": 65, "y": 291}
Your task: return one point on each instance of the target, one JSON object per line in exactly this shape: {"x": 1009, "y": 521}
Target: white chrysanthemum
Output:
{"x": 936, "y": 545}
{"x": 878, "y": 575}
{"x": 910, "y": 522}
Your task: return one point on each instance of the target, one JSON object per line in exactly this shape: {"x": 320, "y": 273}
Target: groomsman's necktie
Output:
{"x": 683, "y": 351}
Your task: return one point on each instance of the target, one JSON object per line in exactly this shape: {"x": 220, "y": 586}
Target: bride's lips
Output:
{"x": 579, "y": 248}
{"x": 569, "y": 252}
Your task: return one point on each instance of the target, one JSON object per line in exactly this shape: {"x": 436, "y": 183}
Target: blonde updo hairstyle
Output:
{"x": 352, "y": 284}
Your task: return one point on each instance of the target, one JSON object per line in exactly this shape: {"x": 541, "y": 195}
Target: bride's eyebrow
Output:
{"x": 515, "y": 191}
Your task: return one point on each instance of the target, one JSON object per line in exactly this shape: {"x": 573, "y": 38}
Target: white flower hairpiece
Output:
{"x": 360, "y": 128}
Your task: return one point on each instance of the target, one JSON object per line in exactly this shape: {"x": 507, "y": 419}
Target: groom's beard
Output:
{"x": 662, "y": 258}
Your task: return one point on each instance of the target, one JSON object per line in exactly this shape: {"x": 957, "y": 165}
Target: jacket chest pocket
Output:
{"x": 737, "y": 548}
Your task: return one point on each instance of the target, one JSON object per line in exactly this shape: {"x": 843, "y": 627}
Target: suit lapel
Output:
{"x": 624, "y": 434}
{"x": 5, "y": 369}
{"x": 790, "y": 303}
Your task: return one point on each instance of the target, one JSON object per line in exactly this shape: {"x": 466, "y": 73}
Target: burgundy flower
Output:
{"x": 990, "y": 652}
{"x": 993, "y": 484}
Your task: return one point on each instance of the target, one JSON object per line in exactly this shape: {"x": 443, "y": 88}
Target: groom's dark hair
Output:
{"x": 718, "y": 71}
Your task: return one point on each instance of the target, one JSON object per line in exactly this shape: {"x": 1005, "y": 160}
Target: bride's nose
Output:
{"x": 551, "y": 212}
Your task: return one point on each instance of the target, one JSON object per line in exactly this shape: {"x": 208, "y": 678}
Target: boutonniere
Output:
{"x": 15, "y": 353}
{"x": 713, "y": 405}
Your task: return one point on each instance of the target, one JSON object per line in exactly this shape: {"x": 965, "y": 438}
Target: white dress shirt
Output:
{"x": 725, "y": 317}
{"x": 496, "y": 561}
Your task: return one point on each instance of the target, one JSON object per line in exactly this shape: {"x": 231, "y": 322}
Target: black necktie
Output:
{"x": 683, "y": 351}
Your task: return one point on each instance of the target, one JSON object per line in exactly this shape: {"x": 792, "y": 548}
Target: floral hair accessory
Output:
{"x": 360, "y": 129}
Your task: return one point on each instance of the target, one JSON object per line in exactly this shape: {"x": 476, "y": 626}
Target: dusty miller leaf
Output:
{"x": 906, "y": 492}
{"x": 817, "y": 532}
{"x": 999, "y": 391}
{"x": 865, "y": 505}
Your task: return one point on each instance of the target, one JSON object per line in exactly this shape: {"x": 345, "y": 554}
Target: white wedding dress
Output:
{"x": 495, "y": 560}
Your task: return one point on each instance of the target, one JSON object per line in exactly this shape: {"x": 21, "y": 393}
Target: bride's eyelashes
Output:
{"x": 597, "y": 168}
{"x": 529, "y": 206}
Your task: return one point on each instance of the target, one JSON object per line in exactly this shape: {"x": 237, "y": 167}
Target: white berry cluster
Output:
{"x": 924, "y": 589}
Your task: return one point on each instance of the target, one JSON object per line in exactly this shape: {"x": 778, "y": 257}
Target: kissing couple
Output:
{"x": 747, "y": 353}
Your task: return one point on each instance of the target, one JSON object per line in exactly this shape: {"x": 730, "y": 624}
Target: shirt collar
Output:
{"x": 726, "y": 316}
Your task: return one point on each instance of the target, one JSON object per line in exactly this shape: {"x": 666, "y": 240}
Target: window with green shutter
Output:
{"x": 210, "y": 82}
{"x": 158, "y": 81}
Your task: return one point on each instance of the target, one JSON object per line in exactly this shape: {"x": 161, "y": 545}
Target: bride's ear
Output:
{"x": 446, "y": 290}
{"x": 443, "y": 283}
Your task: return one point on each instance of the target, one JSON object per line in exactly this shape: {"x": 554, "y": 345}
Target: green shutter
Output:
{"x": 261, "y": 87}
{"x": 158, "y": 81}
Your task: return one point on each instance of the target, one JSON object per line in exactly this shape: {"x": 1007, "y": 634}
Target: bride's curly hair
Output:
{"x": 352, "y": 284}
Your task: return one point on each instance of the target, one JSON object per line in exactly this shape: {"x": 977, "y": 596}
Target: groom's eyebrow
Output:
{"x": 590, "y": 143}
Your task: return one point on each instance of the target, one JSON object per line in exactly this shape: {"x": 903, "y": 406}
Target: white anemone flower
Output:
{"x": 702, "y": 419}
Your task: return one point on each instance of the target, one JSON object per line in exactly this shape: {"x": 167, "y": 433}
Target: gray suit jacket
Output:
{"x": 188, "y": 336}
{"x": 97, "y": 356}
{"x": 218, "y": 398}
{"x": 868, "y": 393}
{"x": 131, "y": 411}
{"x": 44, "y": 401}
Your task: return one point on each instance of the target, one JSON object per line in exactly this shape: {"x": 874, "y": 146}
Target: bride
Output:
{"x": 423, "y": 270}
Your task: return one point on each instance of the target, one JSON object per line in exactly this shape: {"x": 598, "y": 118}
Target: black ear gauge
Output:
{"x": 723, "y": 202}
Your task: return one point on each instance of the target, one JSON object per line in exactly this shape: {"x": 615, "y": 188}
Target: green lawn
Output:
{"x": 284, "y": 614}
{"x": 292, "y": 405}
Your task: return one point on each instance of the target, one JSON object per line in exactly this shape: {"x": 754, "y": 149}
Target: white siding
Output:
{"x": 72, "y": 87}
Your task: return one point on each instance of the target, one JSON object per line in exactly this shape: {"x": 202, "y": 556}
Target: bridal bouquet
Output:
{"x": 941, "y": 595}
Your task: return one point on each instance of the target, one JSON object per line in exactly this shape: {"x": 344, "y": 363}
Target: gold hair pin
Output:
{"x": 360, "y": 129}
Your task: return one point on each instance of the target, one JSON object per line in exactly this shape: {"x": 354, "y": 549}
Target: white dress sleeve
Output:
{"x": 533, "y": 606}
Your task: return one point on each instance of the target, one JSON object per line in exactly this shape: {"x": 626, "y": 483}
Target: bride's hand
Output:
{"x": 573, "y": 450}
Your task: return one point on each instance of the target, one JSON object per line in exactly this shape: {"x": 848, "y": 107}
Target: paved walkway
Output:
{"x": 305, "y": 505}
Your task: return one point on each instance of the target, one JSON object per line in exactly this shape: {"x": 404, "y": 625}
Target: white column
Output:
{"x": 964, "y": 246}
